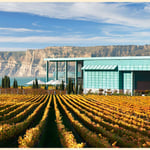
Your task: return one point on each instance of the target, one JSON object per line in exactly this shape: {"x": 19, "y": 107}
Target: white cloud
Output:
{"x": 21, "y": 30}
{"x": 119, "y": 31}
{"x": 35, "y": 24}
{"x": 39, "y": 39}
{"x": 16, "y": 29}
{"x": 140, "y": 34}
{"x": 116, "y": 13}
{"x": 147, "y": 8}
{"x": 12, "y": 49}
{"x": 133, "y": 38}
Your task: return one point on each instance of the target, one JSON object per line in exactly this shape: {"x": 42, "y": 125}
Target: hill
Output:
{"x": 31, "y": 62}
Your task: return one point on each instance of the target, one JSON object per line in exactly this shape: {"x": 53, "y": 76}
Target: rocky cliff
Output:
{"x": 31, "y": 62}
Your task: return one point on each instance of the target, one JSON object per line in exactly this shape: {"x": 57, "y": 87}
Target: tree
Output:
{"x": 72, "y": 91}
{"x": 36, "y": 84}
{"x": 76, "y": 89}
{"x": 2, "y": 82}
{"x": 6, "y": 82}
{"x": 45, "y": 87}
{"x": 62, "y": 86}
{"x": 70, "y": 87}
{"x": 33, "y": 85}
{"x": 80, "y": 89}
{"x": 15, "y": 84}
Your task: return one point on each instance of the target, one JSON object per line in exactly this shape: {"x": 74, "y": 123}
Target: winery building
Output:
{"x": 115, "y": 73}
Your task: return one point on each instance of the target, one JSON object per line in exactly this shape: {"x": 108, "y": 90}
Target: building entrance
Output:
{"x": 142, "y": 80}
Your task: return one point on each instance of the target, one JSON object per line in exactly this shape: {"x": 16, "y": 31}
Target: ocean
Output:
{"x": 23, "y": 80}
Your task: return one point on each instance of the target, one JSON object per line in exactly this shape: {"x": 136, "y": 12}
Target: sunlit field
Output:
{"x": 74, "y": 121}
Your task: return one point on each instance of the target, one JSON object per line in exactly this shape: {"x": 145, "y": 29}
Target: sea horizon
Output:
{"x": 23, "y": 80}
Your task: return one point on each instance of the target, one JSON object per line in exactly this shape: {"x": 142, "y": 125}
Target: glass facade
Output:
{"x": 101, "y": 79}
{"x": 120, "y": 73}
{"x": 124, "y": 74}
{"x": 127, "y": 79}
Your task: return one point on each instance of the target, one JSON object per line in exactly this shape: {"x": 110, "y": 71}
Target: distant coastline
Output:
{"x": 23, "y": 80}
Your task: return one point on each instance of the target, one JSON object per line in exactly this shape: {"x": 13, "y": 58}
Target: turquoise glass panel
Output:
{"x": 127, "y": 80}
{"x": 101, "y": 79}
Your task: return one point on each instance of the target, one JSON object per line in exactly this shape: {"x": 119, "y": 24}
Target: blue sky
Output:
{"x": 39, "y": 25}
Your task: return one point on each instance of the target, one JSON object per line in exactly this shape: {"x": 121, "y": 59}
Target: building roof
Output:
{"x": 95, "y": 58}
{"x": 99, "y": 67}
{"x": 118, "y": 67}
{"x": 140, "y": 67}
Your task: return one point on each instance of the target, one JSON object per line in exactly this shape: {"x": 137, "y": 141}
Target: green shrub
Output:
{"x": 5, "y": 82}
{"x": 15, "y": 84}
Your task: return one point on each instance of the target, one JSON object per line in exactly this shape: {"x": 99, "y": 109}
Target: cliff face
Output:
{"x": 31, "y": 62}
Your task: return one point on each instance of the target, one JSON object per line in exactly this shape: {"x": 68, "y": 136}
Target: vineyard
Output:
{"x": 74, "y": 121}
